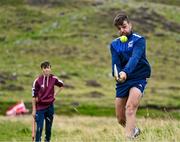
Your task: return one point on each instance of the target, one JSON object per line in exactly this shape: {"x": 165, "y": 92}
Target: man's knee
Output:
{"x": 130, "y": 110}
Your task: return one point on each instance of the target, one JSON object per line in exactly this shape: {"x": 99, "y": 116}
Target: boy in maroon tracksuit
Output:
{"x": 43, "y": 97}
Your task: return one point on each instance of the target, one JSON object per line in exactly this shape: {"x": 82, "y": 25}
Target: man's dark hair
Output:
{"x": 120, "y": 18}
{"x": 45, "y": 64}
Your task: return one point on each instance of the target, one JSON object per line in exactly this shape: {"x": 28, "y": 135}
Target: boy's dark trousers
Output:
{"x": 47, "y": 115}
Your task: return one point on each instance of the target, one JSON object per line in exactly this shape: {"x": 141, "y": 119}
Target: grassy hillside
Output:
{"x": 74, "y": 36}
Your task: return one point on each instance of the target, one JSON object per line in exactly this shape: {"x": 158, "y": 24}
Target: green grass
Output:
{"x": 168, "y": 2}
{"x": 90, "y": 129}
{"x": 93, "y": 109}
{"x": 75, "y": 38}
{"x": 18, "y": 131}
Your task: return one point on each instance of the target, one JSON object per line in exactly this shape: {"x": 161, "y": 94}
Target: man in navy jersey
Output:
{"x": 43, "y": 97}
{"x": 130, "y": 69}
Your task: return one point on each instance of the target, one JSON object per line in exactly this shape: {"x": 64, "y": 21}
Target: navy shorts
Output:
{"x": 122, "y": 90}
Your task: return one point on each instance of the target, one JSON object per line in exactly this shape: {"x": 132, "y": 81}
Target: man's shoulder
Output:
{"x": 115, "y": 41}
{"x": 136, "y": 36}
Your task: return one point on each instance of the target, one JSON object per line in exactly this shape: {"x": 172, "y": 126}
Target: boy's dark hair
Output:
{"x": 45, "y": 64}
{"x": 120, "y": 18}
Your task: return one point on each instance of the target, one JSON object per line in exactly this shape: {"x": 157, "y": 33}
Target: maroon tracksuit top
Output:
{"x": 43, "y": 89}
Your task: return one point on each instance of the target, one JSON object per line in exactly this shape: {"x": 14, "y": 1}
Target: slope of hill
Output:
{"x": 74, "y": 36}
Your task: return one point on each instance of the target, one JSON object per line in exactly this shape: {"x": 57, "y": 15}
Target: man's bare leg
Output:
{"x": 120, "y": 104}
{"x": 131, "y": 108}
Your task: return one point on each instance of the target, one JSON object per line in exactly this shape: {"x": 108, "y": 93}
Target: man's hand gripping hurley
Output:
{"x": 119, "y": 77}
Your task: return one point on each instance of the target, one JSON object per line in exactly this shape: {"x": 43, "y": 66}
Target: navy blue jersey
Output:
{"x": 130, "y": 57}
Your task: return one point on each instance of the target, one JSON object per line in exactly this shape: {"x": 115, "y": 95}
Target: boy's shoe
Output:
{"x": 137, "y": 132}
